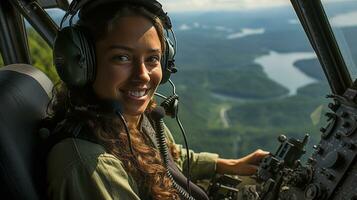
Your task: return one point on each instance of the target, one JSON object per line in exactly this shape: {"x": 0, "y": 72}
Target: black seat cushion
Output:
{"x": 24, "y": 95}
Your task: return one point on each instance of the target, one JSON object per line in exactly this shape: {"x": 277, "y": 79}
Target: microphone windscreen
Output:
{"x": 158, "y": 113}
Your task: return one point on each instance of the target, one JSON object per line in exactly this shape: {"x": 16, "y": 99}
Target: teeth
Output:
{"x": 137, "y": 93}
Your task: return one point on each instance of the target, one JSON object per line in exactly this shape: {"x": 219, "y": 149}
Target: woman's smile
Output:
{"x": 136, "y": 94}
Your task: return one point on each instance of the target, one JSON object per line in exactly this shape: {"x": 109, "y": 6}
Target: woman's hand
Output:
{"x": 245, "y": 166}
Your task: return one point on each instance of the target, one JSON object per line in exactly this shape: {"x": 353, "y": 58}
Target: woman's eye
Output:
{"x": 154, "y": 59}
{"x": 121, "y": 58}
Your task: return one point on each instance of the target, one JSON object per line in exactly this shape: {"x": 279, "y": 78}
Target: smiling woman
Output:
{"x": 128, "y": 58}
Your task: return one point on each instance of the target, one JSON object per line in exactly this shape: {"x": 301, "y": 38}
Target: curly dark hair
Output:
{"x": 145, "y": 165}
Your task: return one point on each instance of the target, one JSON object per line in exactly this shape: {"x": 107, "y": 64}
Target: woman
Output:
{"x": 105, "y": 163}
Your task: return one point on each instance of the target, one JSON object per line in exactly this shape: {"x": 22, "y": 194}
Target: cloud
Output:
{"x": 206, "y": 5}
{"x": 184, "y": 27}
{"x": 293, "y": 21}
{"x": 223, "y": 28}
{"x": 344, "y": 20}
{"x": 246, "y": 32}
{"x": 196, "y": 25}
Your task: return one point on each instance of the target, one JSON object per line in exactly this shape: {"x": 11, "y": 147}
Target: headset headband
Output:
{"x": 152, "y": 5}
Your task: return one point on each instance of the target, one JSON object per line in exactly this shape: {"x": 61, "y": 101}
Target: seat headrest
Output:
{"x": 33, "y": 72}
{"x": 24, "y": 92}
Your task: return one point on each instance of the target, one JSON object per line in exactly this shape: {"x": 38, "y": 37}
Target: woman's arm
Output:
{"x": 245, "y": 166}
{"x": 204, "y": 165}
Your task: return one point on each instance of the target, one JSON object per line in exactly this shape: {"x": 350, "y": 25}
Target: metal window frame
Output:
{"x": 13, "y": 38}
{"x": 318, "y": 29}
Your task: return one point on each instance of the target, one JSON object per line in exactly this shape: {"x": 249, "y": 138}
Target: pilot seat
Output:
{"x": 24, "y": 95}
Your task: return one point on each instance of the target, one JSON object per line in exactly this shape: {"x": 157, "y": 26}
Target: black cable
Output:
{"x": 71, "y": 21}
{"x": 127, "y": 131}
{"x": 71, "y": 11}
{"x": 187, "y": 152}
{"x": 184, "y": 137}
{"x": 175, "y": 41}
{"x": 160, "y": 95}
{"x": 64, "y": 19}
{"x": 173, "y": 87}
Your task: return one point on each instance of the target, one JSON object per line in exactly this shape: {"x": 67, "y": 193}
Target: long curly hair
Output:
{"x": 145, "y": 165}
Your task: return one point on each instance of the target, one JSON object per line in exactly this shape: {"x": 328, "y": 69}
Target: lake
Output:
{"x": 280, "y": 68}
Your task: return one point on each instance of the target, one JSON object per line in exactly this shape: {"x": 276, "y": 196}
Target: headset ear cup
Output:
{"x": 74, "y": 57}
{"x": 89, "y": 51}
{"x": 168, "y": 61}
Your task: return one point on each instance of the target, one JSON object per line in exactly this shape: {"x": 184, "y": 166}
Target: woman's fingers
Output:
{"x": 255, "y": 157}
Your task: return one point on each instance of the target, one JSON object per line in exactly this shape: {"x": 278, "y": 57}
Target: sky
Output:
{"x": 206, "y": 5}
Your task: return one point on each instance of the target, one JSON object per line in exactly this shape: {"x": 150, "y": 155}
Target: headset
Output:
{"x": 74, "y": 51}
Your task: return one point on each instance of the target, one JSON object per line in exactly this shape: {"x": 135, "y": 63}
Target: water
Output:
{"x": 280, "y": 68}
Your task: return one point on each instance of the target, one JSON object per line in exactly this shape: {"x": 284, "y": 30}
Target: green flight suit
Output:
{"x": 80, "y": 169}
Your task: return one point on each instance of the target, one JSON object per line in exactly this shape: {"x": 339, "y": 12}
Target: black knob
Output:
{"x": 318, "y": 149}
{"x": 344, "y": 114}
{"x": 312, "y": 192}
{"x": 333, "y": 107}
{"x": 282, "y": 138}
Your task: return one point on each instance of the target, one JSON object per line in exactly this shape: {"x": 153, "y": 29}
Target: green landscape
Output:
{"x": 228, "y": 104}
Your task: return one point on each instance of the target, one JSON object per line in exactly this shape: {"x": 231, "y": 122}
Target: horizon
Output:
{"x": 227, "y": 5}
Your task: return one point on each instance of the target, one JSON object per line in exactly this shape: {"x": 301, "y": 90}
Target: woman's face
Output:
{"x": 128, "y": 64}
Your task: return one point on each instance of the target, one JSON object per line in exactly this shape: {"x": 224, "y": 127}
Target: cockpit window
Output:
{"x": 41, "y": 54}
{"x": 342, "y": 15}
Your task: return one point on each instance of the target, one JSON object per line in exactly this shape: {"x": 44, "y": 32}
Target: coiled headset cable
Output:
{"x": 170, "y": 104}
{"x": 157, "y": 115}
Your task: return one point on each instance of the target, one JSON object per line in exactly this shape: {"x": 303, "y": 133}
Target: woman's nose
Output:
{"x": 141, "y": 72}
